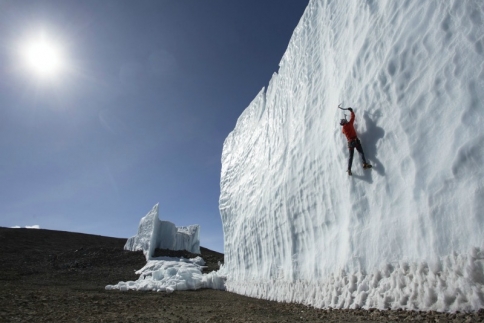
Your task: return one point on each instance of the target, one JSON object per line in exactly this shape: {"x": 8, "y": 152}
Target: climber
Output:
{"x": 353, "y": 141}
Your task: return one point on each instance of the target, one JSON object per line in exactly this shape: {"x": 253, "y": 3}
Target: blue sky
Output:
{"x": 138, "y": 114}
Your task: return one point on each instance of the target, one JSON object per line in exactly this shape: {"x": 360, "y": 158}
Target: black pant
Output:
{"x": 355, "y": 143}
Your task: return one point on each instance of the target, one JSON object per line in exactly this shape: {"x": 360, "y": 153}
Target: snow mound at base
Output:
{"x": 167, "y": 274}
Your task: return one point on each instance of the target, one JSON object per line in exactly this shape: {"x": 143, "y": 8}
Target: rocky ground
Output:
{"x": 53, "y": 276}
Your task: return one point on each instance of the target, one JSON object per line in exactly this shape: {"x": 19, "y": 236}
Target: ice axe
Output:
{"x": 339, "y": 106}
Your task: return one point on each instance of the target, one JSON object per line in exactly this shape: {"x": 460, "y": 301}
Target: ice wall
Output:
{"x": 154, "y": 233}
{"x": 410, "y": 232}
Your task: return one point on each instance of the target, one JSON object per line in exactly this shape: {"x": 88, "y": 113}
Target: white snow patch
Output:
{"x": 35, "y": 226}
{"x": 166, "y": 274}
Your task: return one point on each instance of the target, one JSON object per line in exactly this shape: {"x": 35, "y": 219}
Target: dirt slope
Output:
{"x": 54, "y": 276}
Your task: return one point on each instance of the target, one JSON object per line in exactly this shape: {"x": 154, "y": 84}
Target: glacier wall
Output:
{"x": 410, "y": 232}
{"x": 154, "y": 233}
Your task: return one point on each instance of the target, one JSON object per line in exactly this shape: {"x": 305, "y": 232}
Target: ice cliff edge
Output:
{"x": 154, "y": 233}
{"x": 410, "y": 232}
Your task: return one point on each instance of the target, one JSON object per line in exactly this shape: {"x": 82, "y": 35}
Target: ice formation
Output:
{"x": 410, "y": 232}
{"x": 154, "y": 233}
{"x": 167, "y": 274}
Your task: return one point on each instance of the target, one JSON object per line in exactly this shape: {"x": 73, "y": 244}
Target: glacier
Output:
{"x": 154, "y": 233}
{"x": 410, "y": 232}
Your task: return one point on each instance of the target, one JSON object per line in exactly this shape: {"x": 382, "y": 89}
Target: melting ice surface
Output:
{"x": 410, "y": 232}
{"x": 167, "y": 274}
{"x": 154, "y": 233}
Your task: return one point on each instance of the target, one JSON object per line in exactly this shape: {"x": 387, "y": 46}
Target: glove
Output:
{"x": 350, "y": 109}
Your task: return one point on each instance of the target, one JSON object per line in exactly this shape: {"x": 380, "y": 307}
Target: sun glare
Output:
{"x": 43, "y": 57}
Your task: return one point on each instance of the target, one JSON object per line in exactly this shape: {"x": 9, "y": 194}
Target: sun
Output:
{"x": 43, "y": 57}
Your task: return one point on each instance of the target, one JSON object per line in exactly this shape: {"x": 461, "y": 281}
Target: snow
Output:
{"x": 154, "y": 233}
{"x": 167, "y": 274}
{"x": 35, "y": 226}
{"x": 406, "y": 234}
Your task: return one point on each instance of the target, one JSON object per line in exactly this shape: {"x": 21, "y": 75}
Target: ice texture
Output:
{"x": 154, "y": 233}
{"x": 410, "y": 232}
{"x": 168, "y": 274}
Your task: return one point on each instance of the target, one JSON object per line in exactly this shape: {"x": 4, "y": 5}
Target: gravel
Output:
{"x": 55, "y": 276}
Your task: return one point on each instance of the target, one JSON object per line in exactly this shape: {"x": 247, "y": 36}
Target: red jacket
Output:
{"x": 349, "y": 129}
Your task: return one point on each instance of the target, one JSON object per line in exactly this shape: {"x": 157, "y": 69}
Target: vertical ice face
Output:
{"x": 153, "y": 233}
{"x": 410, "y": 232}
